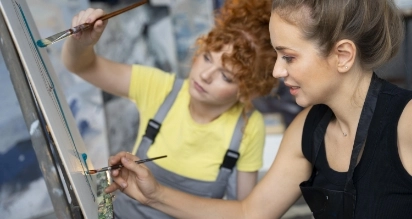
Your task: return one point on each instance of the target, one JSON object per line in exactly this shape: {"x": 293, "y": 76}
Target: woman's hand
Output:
{"x": 135, "y": 180}
{"x": 89, "y": 37}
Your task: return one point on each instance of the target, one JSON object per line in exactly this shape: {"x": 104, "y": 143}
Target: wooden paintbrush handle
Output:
{"x": 114, "y": 13}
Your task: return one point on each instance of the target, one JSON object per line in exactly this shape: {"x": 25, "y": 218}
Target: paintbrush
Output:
{"x": 59, "y": 36}
{"x": 120, "y": 165}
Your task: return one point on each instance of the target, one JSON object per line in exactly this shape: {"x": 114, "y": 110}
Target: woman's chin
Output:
{"x": 302, "y": 102}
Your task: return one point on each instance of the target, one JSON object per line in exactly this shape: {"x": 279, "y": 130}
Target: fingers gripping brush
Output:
{"x": 62, "y": 35}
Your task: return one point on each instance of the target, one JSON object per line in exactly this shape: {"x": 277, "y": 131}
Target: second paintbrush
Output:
{"x": 119, "y": 165}
{"x": 59, "y": 36}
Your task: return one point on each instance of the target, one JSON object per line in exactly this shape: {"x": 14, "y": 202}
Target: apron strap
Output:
{"x": 362, "y": 129}
{"x": 319, "y": 136}
{"x": 361, "y": 132}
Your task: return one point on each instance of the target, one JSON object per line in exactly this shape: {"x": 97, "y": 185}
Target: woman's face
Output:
{"x": 308, "y": 75}
{"x": 210, "y": 82}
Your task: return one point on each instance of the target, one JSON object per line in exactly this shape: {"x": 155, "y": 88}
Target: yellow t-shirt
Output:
{"x": 193, "y": 150}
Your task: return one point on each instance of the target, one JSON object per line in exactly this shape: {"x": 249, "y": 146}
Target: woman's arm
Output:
{"x": 405, "y": 138}
{"x": 79, "y": 57}
{"x": 251, "y": 151}
{"x": 246, "y": 181}
{"x": 271, "y": 198}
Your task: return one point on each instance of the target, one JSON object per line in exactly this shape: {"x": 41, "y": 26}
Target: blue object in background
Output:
{"x": 19, "y": 166}
{"x": 218, "y": 3}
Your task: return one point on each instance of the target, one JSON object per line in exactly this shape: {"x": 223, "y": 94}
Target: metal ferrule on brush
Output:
{"x": 59, "y": 36}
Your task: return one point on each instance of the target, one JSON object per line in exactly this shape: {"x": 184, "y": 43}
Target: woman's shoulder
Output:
{"x": 312, "y": 115}
{"x": 405, "y": 137}
{"x": 149, "y": 86}
{"x": 296, "y": 127}
{"x": 151, "y": 77}
{"x": 143, "y": 70}
{"x": 406, "y": 118}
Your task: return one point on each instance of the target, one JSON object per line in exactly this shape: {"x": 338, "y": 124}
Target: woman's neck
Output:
{"x": 348, "y": 106}
{"x": 204, "y": 113}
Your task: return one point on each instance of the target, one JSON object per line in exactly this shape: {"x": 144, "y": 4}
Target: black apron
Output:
{"x": 327, "y": 203}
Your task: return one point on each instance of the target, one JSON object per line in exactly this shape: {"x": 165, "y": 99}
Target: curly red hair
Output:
{"x": 244, "y": 24}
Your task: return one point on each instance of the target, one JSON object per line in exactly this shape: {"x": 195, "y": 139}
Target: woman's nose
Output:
{"x": 279, "y": 71}
{"x": 207, "y": 74}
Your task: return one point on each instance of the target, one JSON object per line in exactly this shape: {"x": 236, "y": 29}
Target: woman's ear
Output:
{"x": 245, "y": 100}
{"x": 240, "y": 98}
{"x": 346, "y": 53}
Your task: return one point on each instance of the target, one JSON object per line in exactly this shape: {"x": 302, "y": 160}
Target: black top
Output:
{"x": 384, "y": 187}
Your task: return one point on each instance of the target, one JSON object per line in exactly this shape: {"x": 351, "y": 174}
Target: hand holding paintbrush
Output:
{"x": 62, "y": 35}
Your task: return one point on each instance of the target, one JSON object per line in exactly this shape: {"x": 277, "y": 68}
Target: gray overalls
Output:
{"x": 225, "y": 184}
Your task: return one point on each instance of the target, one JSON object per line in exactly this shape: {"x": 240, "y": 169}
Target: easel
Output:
{"x": 56, "y": 140}
{"x": 407, "y": 14}
{"x": 42, "y": 142}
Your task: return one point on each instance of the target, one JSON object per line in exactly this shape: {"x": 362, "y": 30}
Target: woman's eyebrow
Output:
{"x": 280, "y": 48}
{"x": 221, "y": 68}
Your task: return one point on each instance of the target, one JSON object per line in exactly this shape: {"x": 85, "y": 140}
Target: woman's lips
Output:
{"x": 198, "y": 87}
{"x": 294, "y": 90}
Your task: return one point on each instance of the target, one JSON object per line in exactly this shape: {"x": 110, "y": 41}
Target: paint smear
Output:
{"x": 34, "y": 126}
{"x": 84, "y": 156}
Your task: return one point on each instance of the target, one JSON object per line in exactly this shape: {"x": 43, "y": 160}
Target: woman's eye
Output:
{"x": 206, "y": 57}
{"x": 288, "y": 59}
{"x": 226, "y": 78}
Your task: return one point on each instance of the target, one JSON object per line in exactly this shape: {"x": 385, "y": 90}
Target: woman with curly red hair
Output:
{"x": 210, "y": 133}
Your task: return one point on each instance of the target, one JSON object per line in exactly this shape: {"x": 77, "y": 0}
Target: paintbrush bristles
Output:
{"x": 91, "y": 172}
{"x": 59, "y": 36}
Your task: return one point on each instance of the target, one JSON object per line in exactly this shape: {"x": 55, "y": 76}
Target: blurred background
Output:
{"x": 161, "y": 34}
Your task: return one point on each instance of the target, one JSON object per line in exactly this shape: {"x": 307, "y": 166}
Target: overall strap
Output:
{"x": 226, "y": 172}
{"x": 232, "y": 154}
{"x": 154, "y": 124}
{"x": 170, "y": 99}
